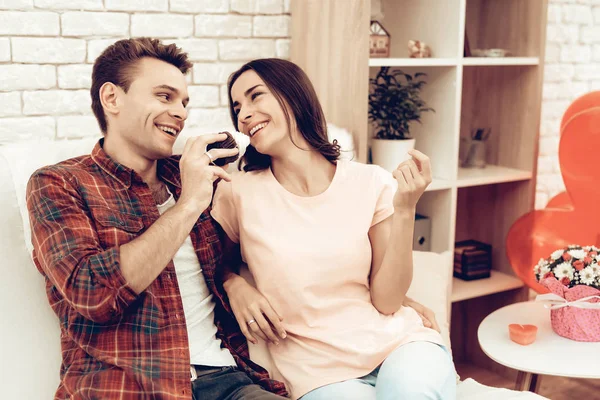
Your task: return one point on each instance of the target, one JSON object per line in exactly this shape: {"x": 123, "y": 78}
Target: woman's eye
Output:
{"x": 236, "y": 112}
{"x": 256, "y": 94}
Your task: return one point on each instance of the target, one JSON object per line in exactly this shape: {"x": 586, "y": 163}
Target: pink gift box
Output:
{"x": 571, "y": 322}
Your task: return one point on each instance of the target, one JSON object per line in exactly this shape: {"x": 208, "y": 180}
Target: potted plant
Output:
{"x": 394, "y": 102}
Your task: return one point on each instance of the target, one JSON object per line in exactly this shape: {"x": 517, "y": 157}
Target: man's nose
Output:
{"x": 179, "y": 113}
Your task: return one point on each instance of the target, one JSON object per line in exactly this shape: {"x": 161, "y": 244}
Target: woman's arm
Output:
{"x": 247, "y": 303}
{"x": 391, "y": 239}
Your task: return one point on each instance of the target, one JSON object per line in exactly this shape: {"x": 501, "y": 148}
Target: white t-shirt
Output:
{"x": 198, "y": 306}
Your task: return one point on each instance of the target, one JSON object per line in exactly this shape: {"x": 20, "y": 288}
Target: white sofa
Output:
{"x": 30, "y": 347}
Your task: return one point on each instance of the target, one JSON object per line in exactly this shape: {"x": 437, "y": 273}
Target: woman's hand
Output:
{"x": 427, "y": 316}
{"x": 253, "y": 311}
{"x": 413, "y": 177}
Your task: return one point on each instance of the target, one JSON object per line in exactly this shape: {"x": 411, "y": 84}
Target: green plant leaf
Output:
{"x": 394, "y": 102}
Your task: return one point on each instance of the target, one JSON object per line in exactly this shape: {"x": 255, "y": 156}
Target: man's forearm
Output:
{"x": 144, "y": 258}
{"x": 393, "y": 278}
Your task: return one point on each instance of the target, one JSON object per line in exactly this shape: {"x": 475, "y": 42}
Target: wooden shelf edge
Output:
{"x": 498, "y": 282}
{"x": 439, "y": 184}
{"x": 453, "y": 62}
{"x": 413, "y": 62}
{"x": 508, "y": 61}
{"x": 489, "y": 175}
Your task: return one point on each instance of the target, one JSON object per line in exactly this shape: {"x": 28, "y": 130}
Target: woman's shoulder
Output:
{"x": 241, "y": 180}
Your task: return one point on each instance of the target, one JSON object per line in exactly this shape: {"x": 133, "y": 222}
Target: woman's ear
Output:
{"x": 109, "y": 98}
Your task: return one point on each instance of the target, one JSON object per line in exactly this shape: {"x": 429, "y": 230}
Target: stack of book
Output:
{"x": 472, "y": 260}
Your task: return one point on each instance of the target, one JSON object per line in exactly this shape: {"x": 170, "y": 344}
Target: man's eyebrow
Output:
{"x": 246, "y": 93}
{"x": 172, "y": 89}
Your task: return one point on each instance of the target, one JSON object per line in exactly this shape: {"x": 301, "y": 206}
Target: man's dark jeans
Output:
{"x": 228, "y": 383}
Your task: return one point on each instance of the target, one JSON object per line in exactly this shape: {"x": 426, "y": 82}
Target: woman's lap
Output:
{"x": 353, "y": 389}
{"x": 416, "y": 370}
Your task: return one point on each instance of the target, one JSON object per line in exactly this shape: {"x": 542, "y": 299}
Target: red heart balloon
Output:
{"x": 571, "y": 218}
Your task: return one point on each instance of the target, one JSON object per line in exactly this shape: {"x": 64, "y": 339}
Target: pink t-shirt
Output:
{"x": 311, "y": 259}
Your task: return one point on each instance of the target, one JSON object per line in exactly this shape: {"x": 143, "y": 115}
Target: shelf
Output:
{"x": 452, "y": 62}
{"x": 439, "y": 184}
{"x": 413, "y": 62}
{"x": 489, "y": 175}
{"x": 498, "y": 282}
{"x": 488, "y": 61}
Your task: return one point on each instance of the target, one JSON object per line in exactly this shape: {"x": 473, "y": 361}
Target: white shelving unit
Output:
{"x": 503, "y": 94}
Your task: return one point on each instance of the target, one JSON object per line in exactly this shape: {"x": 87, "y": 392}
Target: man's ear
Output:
{"x": 109, "y": 98}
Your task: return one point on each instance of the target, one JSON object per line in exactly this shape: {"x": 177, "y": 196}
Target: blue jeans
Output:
{"x": 228, "y": 383}
{"x": 414, "y": 371}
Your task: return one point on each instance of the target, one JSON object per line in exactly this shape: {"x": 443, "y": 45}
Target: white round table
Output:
{"x": 550, "y": 354}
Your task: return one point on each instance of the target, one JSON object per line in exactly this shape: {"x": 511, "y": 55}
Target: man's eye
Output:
{"x": 164, "y": 96}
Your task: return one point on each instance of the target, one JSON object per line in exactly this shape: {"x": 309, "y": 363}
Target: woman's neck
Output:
{"x": 303, "y": 173}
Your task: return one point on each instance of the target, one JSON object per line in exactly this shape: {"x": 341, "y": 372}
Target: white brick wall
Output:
{"x": 47, "y": 48}
{"x": 572, "y": 68}
{"x": 4, "y": 50}
{"x": 19, "y": 23}
{"x": 94, "y": 23}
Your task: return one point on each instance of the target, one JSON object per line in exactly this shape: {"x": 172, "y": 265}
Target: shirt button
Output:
{"x": 176, "y": 316}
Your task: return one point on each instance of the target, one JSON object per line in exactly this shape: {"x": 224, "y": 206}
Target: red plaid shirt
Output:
{"x": 116, "y": 344}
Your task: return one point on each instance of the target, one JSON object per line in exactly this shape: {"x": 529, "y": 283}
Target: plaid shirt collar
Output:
{"x": 166, "y": 168}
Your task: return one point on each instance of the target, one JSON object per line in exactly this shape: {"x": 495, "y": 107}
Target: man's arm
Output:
{"x": 67, "y": 249}
{"x": 101, "y": 283}
{"x": 144, "y": 258}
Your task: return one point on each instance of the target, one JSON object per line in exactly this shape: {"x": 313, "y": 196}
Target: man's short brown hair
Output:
{"x": 117, "y": 64}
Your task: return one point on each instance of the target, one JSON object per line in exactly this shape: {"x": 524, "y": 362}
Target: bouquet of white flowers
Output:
{"x": 572, "y": 275}
{"x": 574, "y": 265}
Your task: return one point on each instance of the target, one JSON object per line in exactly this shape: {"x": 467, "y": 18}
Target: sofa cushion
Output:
{"x": 30, "y": 349}
{"x": 30, "y": 330}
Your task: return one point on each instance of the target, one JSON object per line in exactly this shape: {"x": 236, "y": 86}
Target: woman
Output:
{"x": 329, "y": 243}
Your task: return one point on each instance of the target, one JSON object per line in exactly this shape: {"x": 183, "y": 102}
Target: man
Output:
{"x": 125, "y": 242}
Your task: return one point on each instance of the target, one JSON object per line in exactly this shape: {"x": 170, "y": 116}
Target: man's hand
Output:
{"x": 198, "y": 172}
{"x": 425, "y": 313}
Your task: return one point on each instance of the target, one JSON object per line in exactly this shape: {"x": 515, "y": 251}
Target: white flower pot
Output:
{"x": 389, "y": 153}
